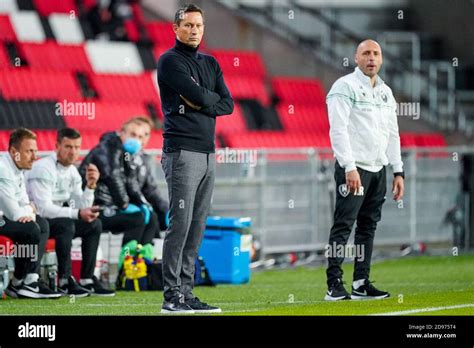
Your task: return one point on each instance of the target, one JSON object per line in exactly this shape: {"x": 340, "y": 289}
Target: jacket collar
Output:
{"x": 366, "y": 80}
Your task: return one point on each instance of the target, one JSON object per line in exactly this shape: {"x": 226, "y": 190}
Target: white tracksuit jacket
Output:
{"x": 363, "y": 124}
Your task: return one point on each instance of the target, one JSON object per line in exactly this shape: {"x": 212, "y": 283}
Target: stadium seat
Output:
{"x": 8, "y": 6}
{"x": 47, "y": 7}
{"x": 4, "y": 58}
{"x": 125, "y": 88}
{"x": 231, "y": 123}
{"x": 131, "y": 28}
{"x": 114, "y": 57}
{"x": 156, "y": 140}
{"x": 277, "y": 139}
{"x": 66, "y": 30}
{"x": 235, "y": 62}
{"x": 50, "y": 55}
{"x": 248, "y": 88}
{"x": 18, "y": 84}
{"x": 303, "y": 117}
{"x": 27, "y": 26}
{"x": 161, "y": 33}
{"x": 298, "y": 90}
{"x": 7, "y": 33}
{"x": 408, "y": 140}
{"x": 431, "y": 140}
{"x": 33, "y": 114}
{"x": 108, "y": 116}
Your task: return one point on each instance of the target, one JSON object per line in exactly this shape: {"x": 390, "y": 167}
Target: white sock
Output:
{"x": 63, "y": 281}
{"x": 17, "y": 282}
{"x": 86, "y": 281}
{"x": 358, "y": 283}
{"x": 31, "y": 278}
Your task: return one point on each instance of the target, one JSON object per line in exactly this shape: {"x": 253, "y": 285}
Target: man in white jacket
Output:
{"x": 19, "y": 221}
{"x": 54, "y": 184}
{"x": 365, "y": 139}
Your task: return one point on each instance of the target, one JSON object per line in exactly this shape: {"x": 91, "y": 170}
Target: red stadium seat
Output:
{"x": 131, "y": 28}
{"x": 161, "y": 33}
{"x": 6, "y": 29}
{"x": 303, "y": 117}
{"x": 50, "y": 55}
{"x": 125, "y": 88}
{"x": 25, "y": 83}
{"x": 156, "y": 140}
{"x": 4, "y": 59}
{"x": 248, "y": 88}
{"x": 231, "y": 123}
{"x": 235, "y": 62}
{"x": 108, "y": 116}
{"x": 277, "y": 139}
{"x": 46, "y": 7}
{"x": 298, "y": 90}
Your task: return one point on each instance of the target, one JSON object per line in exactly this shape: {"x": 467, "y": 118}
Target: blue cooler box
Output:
{"x": 226, "y": 249}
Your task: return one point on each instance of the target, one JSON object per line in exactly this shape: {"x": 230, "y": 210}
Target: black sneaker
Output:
{"x": 11, "y": 290}
{"x": 336, "y": 292}
{"x": 73, "y": 288}
{"x": 37, "y": 289}
{"x": 97, "y": 289}
{"x": 368, "y": 291}
{"x": 176, "y": 306}
{"x": 201, "y": 307}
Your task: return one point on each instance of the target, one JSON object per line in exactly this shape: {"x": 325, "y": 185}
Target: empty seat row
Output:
{"x": 232, "y": 123}
{"x": 298, "y": 90}
{"x": 246, "y": 87}
{"x": 277, "y": 139}
{"x": 25, "y": 83}
{"x": 101, "y": 116}
{"x": 51, "y": 55}
{"x": 303, "y": 117}
{"x": 235, "y": 62}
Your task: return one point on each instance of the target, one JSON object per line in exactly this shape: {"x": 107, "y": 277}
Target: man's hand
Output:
{"x": 353, "y": 181}
{"x": 398, "y": 188}
{"x": 88, "y": 215}
{"x": 25, "y": 219}
{"x": 92, "y": 176}
{"x": 195, "y": 107}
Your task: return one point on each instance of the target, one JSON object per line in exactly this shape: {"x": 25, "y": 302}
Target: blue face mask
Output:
{"x": 132, "y": 146}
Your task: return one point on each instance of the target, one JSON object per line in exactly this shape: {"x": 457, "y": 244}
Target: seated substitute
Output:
{"x": 20, "y": 222}
{"x": 124, "y": 209}
{"x": 54, "y": 184}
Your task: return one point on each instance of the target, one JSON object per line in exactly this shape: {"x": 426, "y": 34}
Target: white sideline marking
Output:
{"x": 429, "y": 309}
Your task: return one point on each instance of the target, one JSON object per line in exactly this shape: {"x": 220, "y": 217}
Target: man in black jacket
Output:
{"x": 193, "y": 93}
{"x": 124, "y": 208}
{"x": 141, "y": 166}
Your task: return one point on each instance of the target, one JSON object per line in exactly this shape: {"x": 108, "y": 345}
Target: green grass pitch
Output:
{"x": 425, "y": 285}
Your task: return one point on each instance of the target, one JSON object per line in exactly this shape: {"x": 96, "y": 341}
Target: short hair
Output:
{"x": 69, "y": 133}
{"x": 139, "y": 120}
{"x": 18, "y": 135}
{"x": 179, "y": 16}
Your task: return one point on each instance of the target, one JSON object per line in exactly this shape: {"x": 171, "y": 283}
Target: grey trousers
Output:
{"x": 190, "y": 178}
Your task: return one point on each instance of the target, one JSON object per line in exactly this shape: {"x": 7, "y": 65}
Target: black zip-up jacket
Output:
{"x": 183, "y": 71}
{"x": 117, "y": 185}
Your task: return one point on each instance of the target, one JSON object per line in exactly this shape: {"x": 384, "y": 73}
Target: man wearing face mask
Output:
{"x": 117, "y": 193}
{"x": 141, "y": 167}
